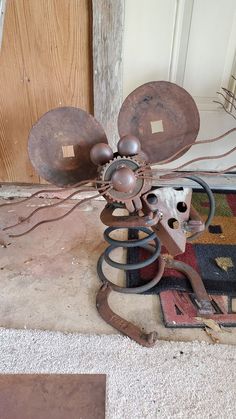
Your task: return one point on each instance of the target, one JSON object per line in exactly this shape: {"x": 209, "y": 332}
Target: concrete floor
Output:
{"x": 48, "y": 278}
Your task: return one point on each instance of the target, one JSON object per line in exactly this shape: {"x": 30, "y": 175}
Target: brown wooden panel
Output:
{"x": 45, "y": 63}
{"x": 52, "y": 396}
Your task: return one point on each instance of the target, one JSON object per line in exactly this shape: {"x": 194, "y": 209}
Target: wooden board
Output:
{"x": 45, "y": 63}
{"x": 54, "y": 396}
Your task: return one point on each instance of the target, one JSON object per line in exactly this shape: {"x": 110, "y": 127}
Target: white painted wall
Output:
{"x": 147, "y": 41}
{"x": 192, "y": 43}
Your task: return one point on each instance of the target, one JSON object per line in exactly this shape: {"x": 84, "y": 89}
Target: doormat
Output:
{"x": 213, "y": 254}
{"x": 54, "y": 396}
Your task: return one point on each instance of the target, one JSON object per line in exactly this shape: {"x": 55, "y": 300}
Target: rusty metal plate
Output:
{"x": 163, "y": 116}
{"x": 60, "y": 143}
{"x": 59, "y": 396}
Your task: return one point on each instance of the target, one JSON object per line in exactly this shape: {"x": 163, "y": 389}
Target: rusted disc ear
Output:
{"x": 60, "y": 143}
{"x": 163, "y": 116}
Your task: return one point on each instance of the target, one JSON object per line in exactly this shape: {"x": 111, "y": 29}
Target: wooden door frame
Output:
{"x": 107, "y": 61}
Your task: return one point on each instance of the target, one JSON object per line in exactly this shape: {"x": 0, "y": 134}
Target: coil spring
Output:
{"x": 143, "y": 243}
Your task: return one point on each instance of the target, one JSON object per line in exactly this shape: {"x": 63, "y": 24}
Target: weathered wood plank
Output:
{"x": 108, "y": 25}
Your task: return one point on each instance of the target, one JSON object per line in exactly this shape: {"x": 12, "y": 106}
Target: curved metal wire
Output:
{"x": 226, "y": 110}
{"x": 176, "y": 175}
{"x": 186, "y": 147}
{"x": 82, "y": 183}
{"x": 46, "y": 207}
{"x": 145, "y": 169}
{"x": 231, "y": 102}
{"x": 212, "y": 208}
{"x": 62, "y": 216}
{"x": 227, "y": 100}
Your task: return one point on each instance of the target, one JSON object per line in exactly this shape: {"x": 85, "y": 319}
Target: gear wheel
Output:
{"x": 130, "y": 199}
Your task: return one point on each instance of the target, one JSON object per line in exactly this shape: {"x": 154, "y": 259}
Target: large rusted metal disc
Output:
{"x": 163, "y": 116}
{"x": 60, "y": 143}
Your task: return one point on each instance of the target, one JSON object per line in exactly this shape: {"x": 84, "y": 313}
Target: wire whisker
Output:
{"x": 194, "y": 161}
{"x": 228, "y": 92}
{"x": 231, "y": 103}
{"x": 60, "y": 217}
{"x": 172, "y": 175}
{"x": 82, "y": 183}
{"x": 226, "y": 110}
{"x": 46, "y": 207}
{"x": 199, "y": 142}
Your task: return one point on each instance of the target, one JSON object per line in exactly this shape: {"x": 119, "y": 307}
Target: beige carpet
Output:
{"x": 172, "y": 380}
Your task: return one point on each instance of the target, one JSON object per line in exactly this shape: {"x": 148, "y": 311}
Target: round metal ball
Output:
{"x": 101, "y": 153}
{"x": 129, "y": 145}
{"x": 123, "y": 180}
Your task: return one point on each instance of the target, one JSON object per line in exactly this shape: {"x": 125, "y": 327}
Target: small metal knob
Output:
{"x": 123, "y": 179}
{"x": 101, "y": 153}
{"x": 129, "y": 145}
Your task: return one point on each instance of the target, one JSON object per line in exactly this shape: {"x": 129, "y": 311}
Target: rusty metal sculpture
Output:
{"x": 158, "y": 122}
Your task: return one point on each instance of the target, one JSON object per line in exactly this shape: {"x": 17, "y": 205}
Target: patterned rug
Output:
{"x": 213, "y": 254}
